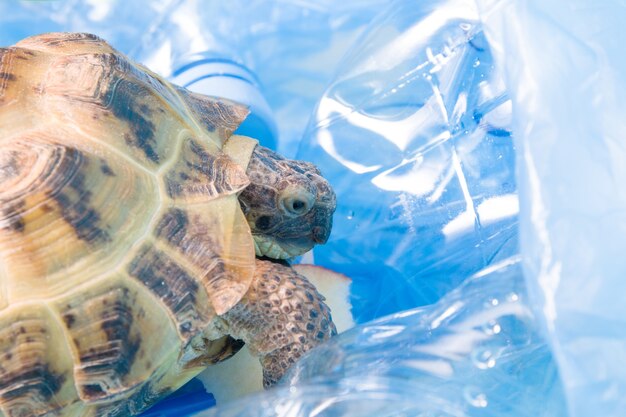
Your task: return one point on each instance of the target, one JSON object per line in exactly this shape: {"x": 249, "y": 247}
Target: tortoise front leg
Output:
{"x": 281, "y": 317}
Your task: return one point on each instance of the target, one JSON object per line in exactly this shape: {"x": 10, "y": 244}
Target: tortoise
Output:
{"x": 133, "y": 223}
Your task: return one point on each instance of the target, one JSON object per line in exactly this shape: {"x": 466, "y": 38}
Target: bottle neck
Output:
{"x": 227, "y": 79}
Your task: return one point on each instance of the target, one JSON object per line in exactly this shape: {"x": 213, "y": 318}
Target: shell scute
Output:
{"x": 200, "y": 175}
{"x": 214, "y": 241}
{"x": 76, "y": 77}
{"x": 6, "y": 74}
{"x": 17, "y": 91}
{"x": 171, "y": 283}
{"x": 65, "y": 43}
{"x": 220, "y": 116}
{"x": 117, "y": 334}
{"x": 101, "y": 331}
{"x": 36, "y": 368}
{"x": 104, "y": 88}
{"x": 57, "y": 227}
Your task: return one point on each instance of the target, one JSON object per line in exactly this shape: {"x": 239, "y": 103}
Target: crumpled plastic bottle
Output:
{"x": 414, "y": 134}
{"x": 477, "y": 352}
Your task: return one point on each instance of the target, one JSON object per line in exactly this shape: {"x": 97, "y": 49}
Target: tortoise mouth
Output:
{"x": 275, "y": 249}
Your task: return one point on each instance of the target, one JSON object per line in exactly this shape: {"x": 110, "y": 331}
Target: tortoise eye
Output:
{"x": 296, "y": 206}
{"x": 296, "y": 201}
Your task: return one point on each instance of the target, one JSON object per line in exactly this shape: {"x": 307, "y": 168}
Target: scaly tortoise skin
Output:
{"x": 128, "y": 232}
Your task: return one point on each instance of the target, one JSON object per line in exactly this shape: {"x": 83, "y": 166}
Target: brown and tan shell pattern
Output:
{"x": 120, "y": 231}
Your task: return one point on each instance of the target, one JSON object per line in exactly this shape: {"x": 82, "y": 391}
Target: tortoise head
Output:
{"x": 288, "y": 204}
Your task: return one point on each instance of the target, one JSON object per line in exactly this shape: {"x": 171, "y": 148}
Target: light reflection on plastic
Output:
{"x": 386, "y": 332}
{"x": 288, "y": 409}
{"x": 453, "y": 346}
{"x": 400, "y": 132}
{"x": 322, "y": 407}
{"x": 485, "y": 316}
{"x": 506, "y": 263}
{"x": 326, "y": 142}
{"x": 460, "y": 107}
{"x": 458, "y": 169}
{"x": 161, "y": 60}
{"x": 466, "y": 335}
{"x": 439, "y": 368}
{"x": 190, "y": 24}
{"x": 450, "y": 311}
{"x": 489, "y": 211}
{"x": 419, "y": 180}
{"x": 474, "y": 397}
{"x": 100, "y": 9}
{"x": 441, "y": 187}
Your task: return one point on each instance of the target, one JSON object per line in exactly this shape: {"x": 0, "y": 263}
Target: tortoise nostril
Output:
{"x": 263, "y": 223}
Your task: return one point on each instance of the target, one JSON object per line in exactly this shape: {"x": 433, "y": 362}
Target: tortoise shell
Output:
{"x": 121, "y": 236}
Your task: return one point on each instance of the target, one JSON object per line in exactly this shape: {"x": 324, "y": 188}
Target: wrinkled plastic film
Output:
{"x": 475, "y": 353}
{"x": 414, "y": 134}
{"x": 565, "y": 69}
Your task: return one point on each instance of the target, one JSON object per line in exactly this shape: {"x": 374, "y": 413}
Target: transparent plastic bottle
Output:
{"x": 275, "y": 56}
{"x": 183, "y": 46}
{"x": 414, "y": 134}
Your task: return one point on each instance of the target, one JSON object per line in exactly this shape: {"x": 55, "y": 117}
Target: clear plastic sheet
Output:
{"x": 414, "y": 133}
{"x": 476, "y": 353}
{"x": 566, "y": 70}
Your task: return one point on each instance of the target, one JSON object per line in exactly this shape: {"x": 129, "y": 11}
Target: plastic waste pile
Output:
{"x": 476, "y": 147}
{"x": 476, "y": 352}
